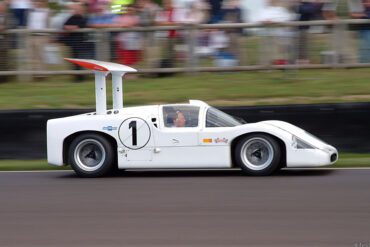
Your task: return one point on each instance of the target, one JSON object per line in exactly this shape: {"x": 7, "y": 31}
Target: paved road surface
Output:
{"x": 192, "y": 208}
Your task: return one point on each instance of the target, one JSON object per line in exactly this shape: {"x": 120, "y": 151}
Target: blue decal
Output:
{"x": 109, "y": 128}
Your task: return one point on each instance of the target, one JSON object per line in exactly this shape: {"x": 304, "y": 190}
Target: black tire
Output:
{"x": 91, "y": 155}
{"x": 258, "y": 154}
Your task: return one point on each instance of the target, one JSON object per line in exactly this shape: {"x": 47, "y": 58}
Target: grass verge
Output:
{"x": 222, "y": 89}
{"x": 345, "y": 160}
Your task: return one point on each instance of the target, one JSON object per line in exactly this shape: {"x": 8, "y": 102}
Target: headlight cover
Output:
{"x": 299, "y": 144}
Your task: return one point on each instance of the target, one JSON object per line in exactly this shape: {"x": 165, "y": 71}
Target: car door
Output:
{"x": 136, "y": 142}
{"x": 177, "y": 141}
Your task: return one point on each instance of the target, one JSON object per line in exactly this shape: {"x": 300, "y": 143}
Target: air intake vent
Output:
{"x": 333, "y": 157}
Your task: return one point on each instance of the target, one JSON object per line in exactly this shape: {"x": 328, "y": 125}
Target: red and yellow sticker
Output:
{"x": 207, "y": 140}
{"x": 217, "y": 140}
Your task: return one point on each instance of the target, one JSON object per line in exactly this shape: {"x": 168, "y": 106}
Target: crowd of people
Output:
{"x": 128, "y": 47}
{"x": 356, "y": 9}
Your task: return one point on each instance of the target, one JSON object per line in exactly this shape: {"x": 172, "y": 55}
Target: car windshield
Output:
{"x": 217, "y": 118}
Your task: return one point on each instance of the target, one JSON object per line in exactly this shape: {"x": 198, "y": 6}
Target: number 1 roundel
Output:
{"x": 134, "y": 133}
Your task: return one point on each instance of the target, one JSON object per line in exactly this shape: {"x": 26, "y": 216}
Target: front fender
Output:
{"x": 246, "y": 129}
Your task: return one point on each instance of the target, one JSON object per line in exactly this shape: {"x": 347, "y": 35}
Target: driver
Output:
{"x": 179, "y": 120}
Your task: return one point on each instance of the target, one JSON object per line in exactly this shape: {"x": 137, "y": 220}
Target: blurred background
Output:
{"x": 226, "y": 52}
{"x": 306, "y": 62}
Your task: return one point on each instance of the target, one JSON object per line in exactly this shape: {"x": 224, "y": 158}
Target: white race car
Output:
{"x": 191, "y": 135}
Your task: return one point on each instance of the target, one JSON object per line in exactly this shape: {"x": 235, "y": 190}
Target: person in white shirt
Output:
{"x": 276, "y": 42}
{"x": 38, "y": 19}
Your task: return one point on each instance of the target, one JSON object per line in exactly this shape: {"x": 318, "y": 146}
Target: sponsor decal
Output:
{"x": 221, "y": 140}
{"x": 207, "y": 140}
{"x": 109, "y": 128}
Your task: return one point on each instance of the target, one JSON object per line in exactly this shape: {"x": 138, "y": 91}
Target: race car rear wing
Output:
{"x": 101, "y": 70}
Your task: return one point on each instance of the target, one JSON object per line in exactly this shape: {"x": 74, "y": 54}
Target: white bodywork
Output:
{"x": 158, "y": 146}
{"x": 180, "y": 147}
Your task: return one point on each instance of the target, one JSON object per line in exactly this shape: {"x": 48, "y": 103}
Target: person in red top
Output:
{"x": 129, "y": 43}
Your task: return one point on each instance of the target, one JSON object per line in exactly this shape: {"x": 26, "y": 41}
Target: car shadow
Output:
{"x": 304, "y": 172}
{"x": 206, "y": 173}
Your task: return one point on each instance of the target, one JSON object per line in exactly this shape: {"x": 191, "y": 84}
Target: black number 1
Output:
{"x": 134, "y": 132}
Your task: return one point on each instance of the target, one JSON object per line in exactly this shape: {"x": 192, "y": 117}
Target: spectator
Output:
{"x": 198, "y": 13}
{"x": 195, "y": 13}
{"x": 87, "y": 4}
{"x": 215, "y": 11}
{"x": 101, "y": 17}
{"x": 276, "y": 42}
{"x": 147, "y": 11}
{"x": 129, "y": 43}
{"x": 94, "y": 4}
{"x": 38, "y": 19}
{"x": 307, "y": 10}
{"x": 57, "y": 21}
{"x": 355, "y": 7}
{"x": 219, "y": 43}
{"x": 233, "y": 14}
{"x": 4, "y": 20}
{"x": 78, "y": 41}
{"x": 364, "y": 49}
{"x": 20, "y": 10}
{"x": 342, "y": 52}
{"x": 169, "y": 16}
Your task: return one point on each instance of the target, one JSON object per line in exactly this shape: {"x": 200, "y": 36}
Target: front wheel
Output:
{"x": 258, "y": 154}
{"x": 91, "y": 155}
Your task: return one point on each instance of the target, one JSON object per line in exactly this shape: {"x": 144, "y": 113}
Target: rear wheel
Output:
{"x": 91, "y": 155}
{"x": 258, "y": 154}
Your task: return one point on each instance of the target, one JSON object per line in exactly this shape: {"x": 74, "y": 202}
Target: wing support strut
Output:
{"x": 101, "y": 70}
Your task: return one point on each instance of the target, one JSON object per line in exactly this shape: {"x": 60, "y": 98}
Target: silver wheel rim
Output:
{"x": 257, "y": 153}
{"x": 89, "y": 155}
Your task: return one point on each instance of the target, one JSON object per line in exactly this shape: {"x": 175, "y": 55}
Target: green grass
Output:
{"x": 345, "y": 160}
{"x": 28, "y": 165}
{"x": 353, "y": 160}
{"x": 242, "y": 88}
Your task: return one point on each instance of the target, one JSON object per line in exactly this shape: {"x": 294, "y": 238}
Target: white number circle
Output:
{"x": 134, "y": 133}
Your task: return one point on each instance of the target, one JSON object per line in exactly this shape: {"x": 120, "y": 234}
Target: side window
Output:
{"x": 180, "y": 116}
{"x": 217, "y": 118}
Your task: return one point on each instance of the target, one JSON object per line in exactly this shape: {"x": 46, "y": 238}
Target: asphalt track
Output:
{"x": 186, "y": 208}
